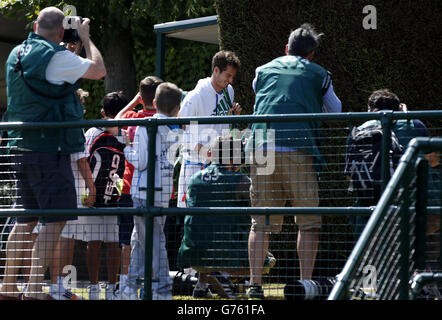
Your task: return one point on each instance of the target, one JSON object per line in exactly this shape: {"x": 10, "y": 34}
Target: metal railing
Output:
{"x": 151, "y": 211}
{"x": 393, "y": 242}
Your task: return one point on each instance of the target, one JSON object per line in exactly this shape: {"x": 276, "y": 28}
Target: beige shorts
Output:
{"x": 293, "y": 179}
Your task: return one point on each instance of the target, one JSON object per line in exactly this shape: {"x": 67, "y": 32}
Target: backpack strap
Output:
{"x": 95, "y": 138}
{"x": 230, "y": 104}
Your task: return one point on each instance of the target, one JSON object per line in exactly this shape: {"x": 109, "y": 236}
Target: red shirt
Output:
{"x": 129, "y": 169}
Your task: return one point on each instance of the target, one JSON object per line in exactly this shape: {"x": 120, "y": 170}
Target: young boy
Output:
{"x": 145, "y": 97}
{"x": 167, "y": 102}
{"x": 106, "y": 158}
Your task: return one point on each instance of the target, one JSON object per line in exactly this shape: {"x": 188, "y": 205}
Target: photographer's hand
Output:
{"x": 83, "y": 28}
{"x": 97, "y": 69}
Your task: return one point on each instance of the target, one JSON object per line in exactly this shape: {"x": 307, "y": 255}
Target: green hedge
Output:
{"x": 402, "y": 54}
{"x": 185, "y": 63}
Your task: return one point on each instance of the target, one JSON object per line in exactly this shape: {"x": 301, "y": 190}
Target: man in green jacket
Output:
{"x": 216, "y": 242}
{"x": 42, "y": 80}
{"x": 287, "y": 85}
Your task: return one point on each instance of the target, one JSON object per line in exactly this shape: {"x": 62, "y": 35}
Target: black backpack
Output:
{"x": 106, "y": 158}
{"x": 363, "y": 162}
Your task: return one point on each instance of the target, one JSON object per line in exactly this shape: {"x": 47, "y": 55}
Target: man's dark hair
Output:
{"x": 113, "y": 102}
{"x": 147, "y": 89}
{"x": 167, "y": 97}
{"x": 223, "y": 59}
{"x": 383, "y": 99}
{"x": 227, "y": 151}
{"x": 303, "y": 41}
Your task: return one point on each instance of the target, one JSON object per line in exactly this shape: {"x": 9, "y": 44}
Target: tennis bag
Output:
{"x": 106, "y": 159}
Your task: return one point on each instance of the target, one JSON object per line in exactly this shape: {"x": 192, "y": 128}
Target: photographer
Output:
{"x": 42, "y": 79}
{"x": 214, "y": 243}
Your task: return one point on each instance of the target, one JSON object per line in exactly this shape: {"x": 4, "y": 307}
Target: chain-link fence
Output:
{"x": 199, "y": 232}
{"x": 395, "y": 246}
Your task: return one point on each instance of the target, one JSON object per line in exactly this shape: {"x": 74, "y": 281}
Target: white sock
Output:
{"x": 94, "y": 292}
{"x": 57, "y": 287}
{"x": 123, "y": 281}
{"x": 54, "y": 289}
{"x": 60, "y": 284}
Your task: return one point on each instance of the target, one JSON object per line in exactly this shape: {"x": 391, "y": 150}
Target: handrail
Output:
{"x": 297, "y": 117}
{"x": 156, "y": 211}
{"x": 150, "y": 211}
{"x": 421, "y": 279}
{"x": 415, "y": 145}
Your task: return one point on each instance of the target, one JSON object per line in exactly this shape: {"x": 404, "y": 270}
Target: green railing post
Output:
{"x": 404, "y": 238}
{"x": 421, "y": 212}
{"x": 386, "y": 146}
{"x": 160, "y": 54}
{"x": 151, "y": 146}
{"x": 440, "y": 219}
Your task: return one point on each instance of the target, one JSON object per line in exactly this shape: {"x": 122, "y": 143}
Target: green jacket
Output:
{"x": 215, "y": 240}
{"x": 37, "y": 100}
{"x": 288, "y": 85}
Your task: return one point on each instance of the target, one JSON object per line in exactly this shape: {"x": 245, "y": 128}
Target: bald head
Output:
{"x": 50, "y": 24}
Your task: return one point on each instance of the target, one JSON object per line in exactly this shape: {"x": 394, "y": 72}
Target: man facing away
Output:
{"x": 167, "y": 102}
{"x": 41, "y": 78}
{"x": 145, "y": 97}
{"x": 286, "y": 85}
{"x": 106, "y": 161}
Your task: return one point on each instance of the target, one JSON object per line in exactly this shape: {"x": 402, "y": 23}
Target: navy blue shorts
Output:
{"x": 126, "y": 222}
{"x": 45, "y": 181}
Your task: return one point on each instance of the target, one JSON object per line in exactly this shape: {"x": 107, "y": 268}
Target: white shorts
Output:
{"x": 100, "y": 228}
{"x": 74, "y": 229}
{"x": 37, "y": 228}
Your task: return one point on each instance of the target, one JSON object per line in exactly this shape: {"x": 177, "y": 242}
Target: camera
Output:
{"x": 71, "y": 34}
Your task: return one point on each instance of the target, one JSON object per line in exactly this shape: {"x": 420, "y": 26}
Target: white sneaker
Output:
{"x": 66, "y": 295}
{"x": 94, "y": 292}
{"x": 122, "y": 286}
